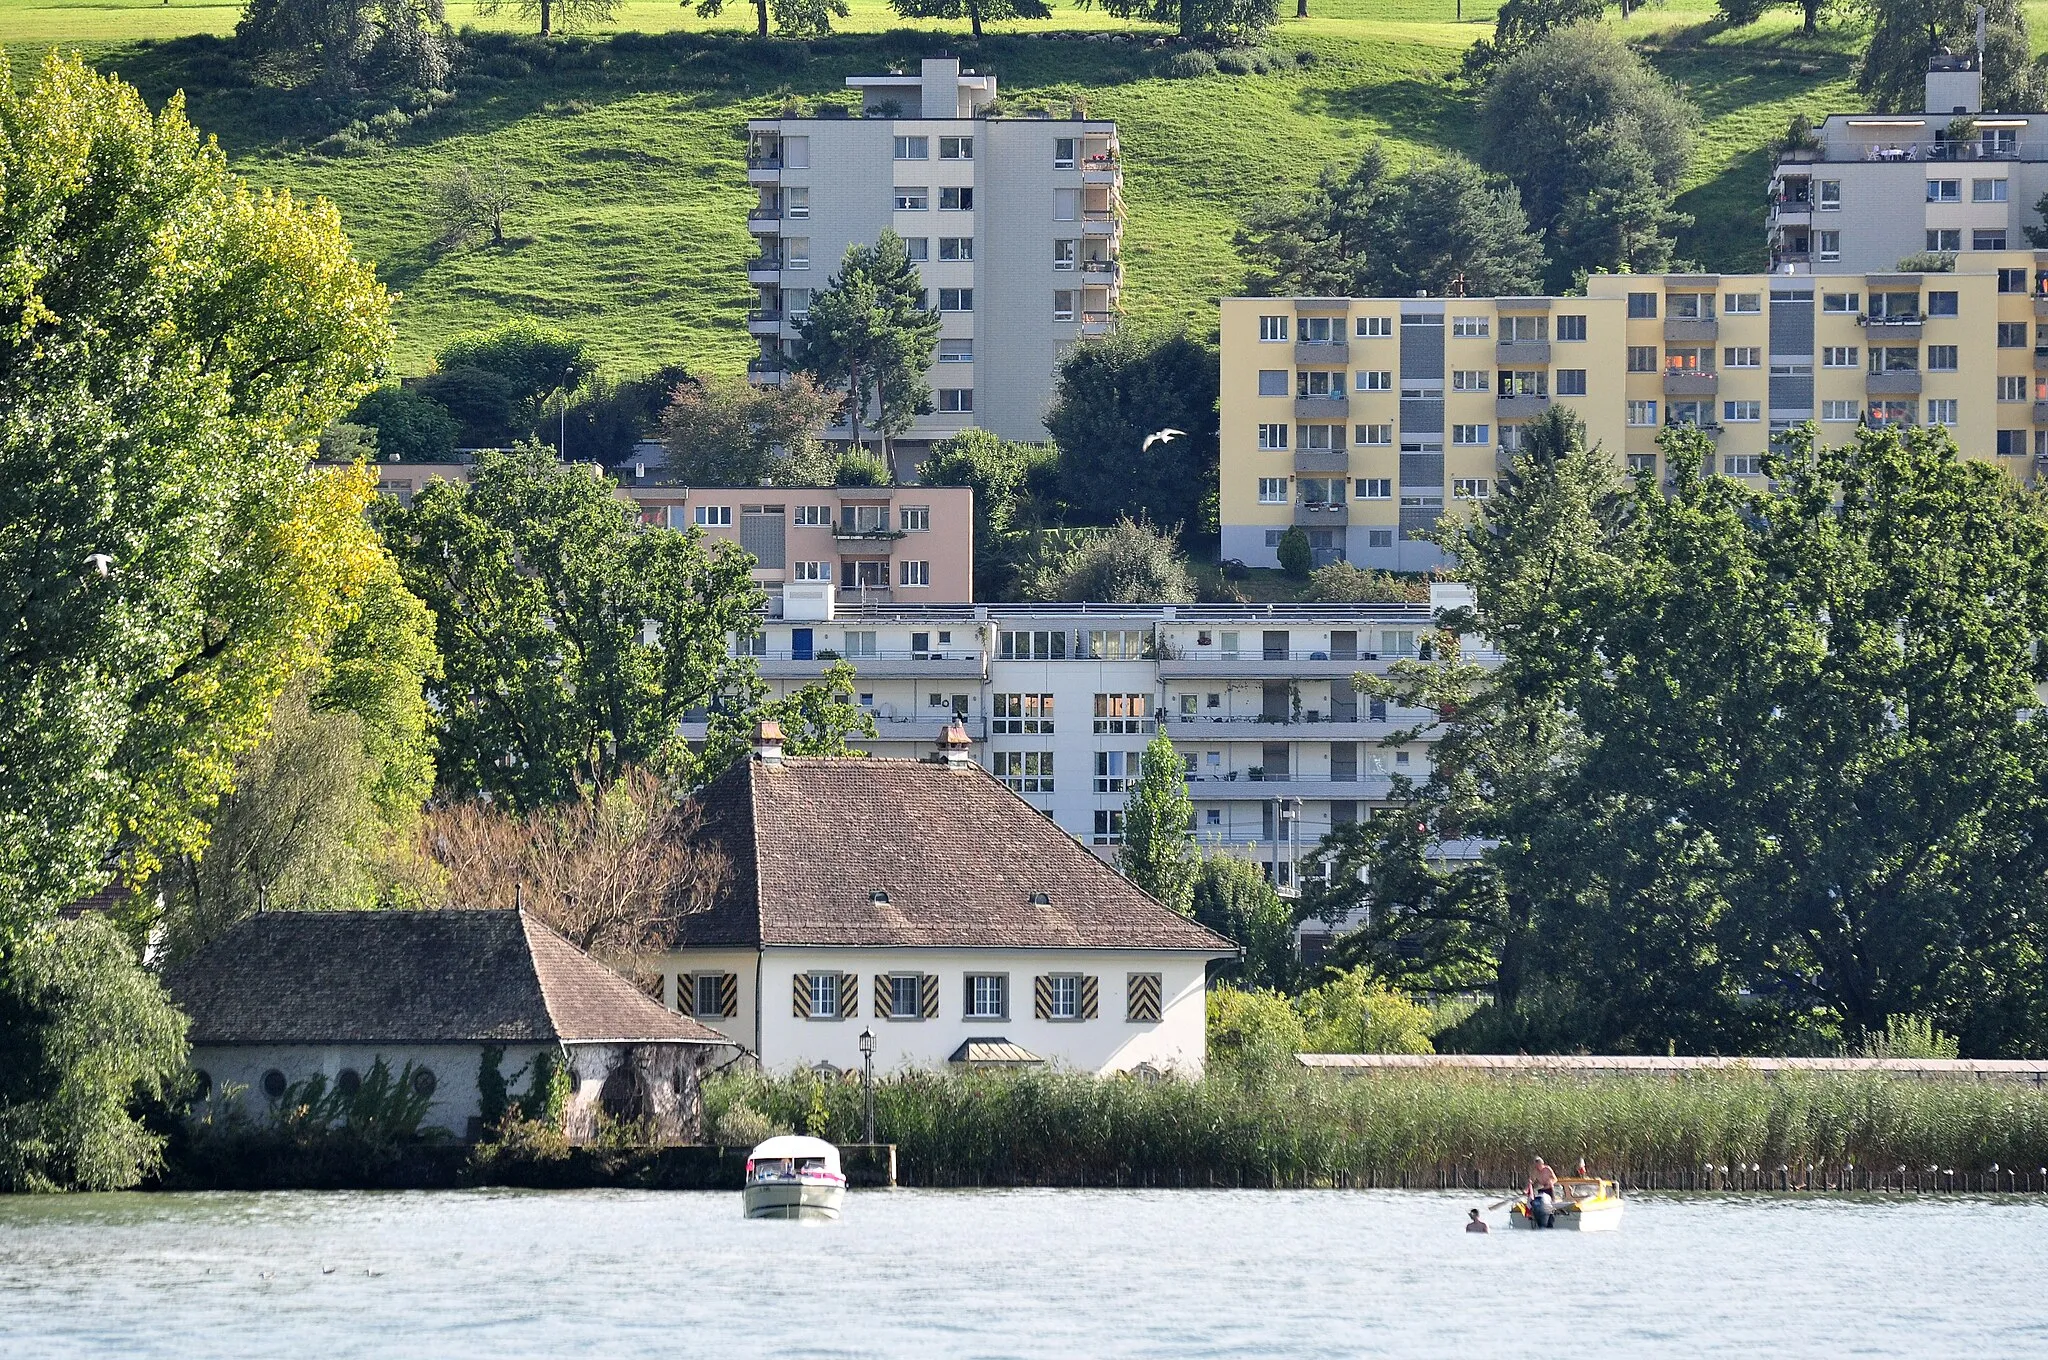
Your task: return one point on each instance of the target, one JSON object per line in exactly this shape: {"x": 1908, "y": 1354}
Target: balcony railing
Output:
{"x": 764, "y": 162}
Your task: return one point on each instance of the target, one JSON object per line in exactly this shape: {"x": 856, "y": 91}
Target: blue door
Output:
{"x": 800, "y": 644}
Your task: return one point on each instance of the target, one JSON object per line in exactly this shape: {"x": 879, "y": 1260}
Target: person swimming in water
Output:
{"x": 1476, "y": 1223}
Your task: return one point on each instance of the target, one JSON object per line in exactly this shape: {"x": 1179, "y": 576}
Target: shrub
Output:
{"x": 1343, "y": 583}
{"x": 1296, "y": 556}
{"x": 1253, "y": 1030}
{"x": 1236, "y": 61}
{"x": 1132, "y": 563}
{"x": 1355, "y": 1013}
{"x": 1191, "y": 65}
{"x": 860, "y": 469}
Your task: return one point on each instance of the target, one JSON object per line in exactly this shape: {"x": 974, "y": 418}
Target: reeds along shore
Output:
{"x": 1430, "y": 1129}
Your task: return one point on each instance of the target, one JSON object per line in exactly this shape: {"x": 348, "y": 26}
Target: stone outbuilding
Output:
{"x": 285, "y": 995}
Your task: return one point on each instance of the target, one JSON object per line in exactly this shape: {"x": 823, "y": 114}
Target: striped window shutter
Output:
{"x": 1143, "y": 993}
{"x": 1041, "y": 997}
{"x": 928, "y": 995}
{"x": 883, "y": 1001}
{"x": 849, "y": 995}
{"x": 800, "y": 996}
{"x": 1091, "y": 994}
{"x": 728, "y": 994}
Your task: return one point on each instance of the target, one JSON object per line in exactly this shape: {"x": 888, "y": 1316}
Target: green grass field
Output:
{"x": 631, "y": 230}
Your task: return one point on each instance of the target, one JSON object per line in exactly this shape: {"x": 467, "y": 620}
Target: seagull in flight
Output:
{"x": 1165, "y": 436}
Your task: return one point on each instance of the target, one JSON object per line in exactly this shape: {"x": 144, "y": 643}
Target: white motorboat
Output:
{"x": 794, "y": 1177}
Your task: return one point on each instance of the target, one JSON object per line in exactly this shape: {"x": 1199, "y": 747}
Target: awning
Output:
{"x": 995, "y": 1053}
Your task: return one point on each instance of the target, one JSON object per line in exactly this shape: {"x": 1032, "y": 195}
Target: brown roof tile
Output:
{"x": 812, "y": 839}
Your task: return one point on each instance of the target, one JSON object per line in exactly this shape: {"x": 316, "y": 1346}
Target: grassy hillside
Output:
{"x": 631, "y": 231}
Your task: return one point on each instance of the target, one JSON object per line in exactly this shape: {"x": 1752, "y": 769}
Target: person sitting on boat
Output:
{"x": 1476, "y": 1223}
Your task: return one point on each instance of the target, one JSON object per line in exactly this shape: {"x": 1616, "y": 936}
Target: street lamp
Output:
{"x": 867, "y": 1081}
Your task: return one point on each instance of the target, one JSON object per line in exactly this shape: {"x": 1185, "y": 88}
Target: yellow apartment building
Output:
{"x": 1364, "y": 420}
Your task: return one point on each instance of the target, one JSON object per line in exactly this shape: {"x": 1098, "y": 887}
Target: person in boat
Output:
{"x": 1542, "y": 1193}
{"x": 1475, "y": 1223}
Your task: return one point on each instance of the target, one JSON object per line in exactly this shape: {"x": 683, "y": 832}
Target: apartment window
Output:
{"x": 1828, "y": 244}
{"x": 1117, "y": 771}
{"x": 1318, "y": 382}
{"x": 1572, "y": 327}
{"x": 824, "y": 988}
{"x": 1841, "y": 412}
{"x": 714, "y": 516}
{"x": 1741, "y": 411}
{"x": 1511, "y": 438}
{"x": 1892, "y": 412}
{"x": 2012, "y": 388}
{"x": 1272, "y": 436}
{"x": 1742, "y": 464}
{"x": 1375, "y": 327}
{"x": 1571, "y": 382}
{"x": 1692, "y": 306}
{"x": 796, "y": 252}
{"x": 1689, "y": 413}
{"x": 796, "y": 202}
{"x": 1470, "y": 326}
{"x": 1642, "y": 358}
{"x": 956, "y": 148}
{"x": 813, "y": 571}
{"x": 1894, "y": 359}
{"x": 1742, "y": 304}
{"x": 988, "y": 996}
{"x": 1987, "y": 191}
{"x": 956, "y": 400}
{"x": 1944, "y": 241}
{"x": 1688, "y": 360}
{"x": 913, "y": 573}
{"x": 1394, "y": 643}
{"x": 1642, "y": 413}
{"x": 2012, "y": 280}
{"x": 1024, "y": 771}
{"x": 1321, "y": 330}
{"x": 1023, "y": 714}
{"x": 1374, "y": 434}
{"x": 1469, "y": 488}
{"x": 1841, "y": 303}
{"x": 1063, "y": 153}
{"x": 1273, "y": 382}
{"x": 1273, "y": 327}
{"x": 1109, "y": 830}
{"x": 913, "y": 148}
{"x": 1941, "y": 411}
{"x": 956, "y": 247}
{"x": 956, "y": 199}
{"x": 1642, "y": 462}
{"x": 1941, "y": 358}
{"x": 912, "y": 200}
{"x": 1470, "y": 434}
{"x": 1944, "y": 302}
{"x": 1838, "y": 356}
{"x": 1944, "y": 191}
{"x": 956, "y": 351}
{"x": 1031, "y": 645}
{"x": 1742, "y": 356}
{"x": 1375, "y": 488}
{"x": 1379, "y": 538}
{"x": 2012, "y": 443}
{"x": 1470, "y": 380}
{"x": 956, "y": 299}
{"x": 1375, "y": 380}
{"x": 1988, "y": 239}
{"x": 2012, "y": 335}
{"x": 1319, "y": 436}
{"x": 917, "y": 249}
{"x": 1514, "y": 328}
{"x": 1063, "y": 304}
{"x": 1642, "y": 305}
{"x": 914, "y": 519}
{"x": 1272, "y": 491}
{"x": 1524, "y": 382}
{"x": 1122, "y": 713}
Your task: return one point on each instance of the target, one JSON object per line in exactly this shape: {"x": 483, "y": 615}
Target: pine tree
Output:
{"x": 868, "y": 331}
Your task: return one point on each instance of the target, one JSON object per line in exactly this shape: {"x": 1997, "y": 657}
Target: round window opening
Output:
{"x": 348, "y": 1081}
{"x": 423, "y": 1081}
{"x": 202, "y": 1084}
{"x": 274, "y": 1084}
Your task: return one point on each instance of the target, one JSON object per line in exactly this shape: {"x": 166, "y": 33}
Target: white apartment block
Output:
{"x": 1015, "y": 224}
{"x": 1881, "y": 187}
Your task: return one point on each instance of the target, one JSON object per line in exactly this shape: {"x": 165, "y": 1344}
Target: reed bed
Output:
{"x": 1720, "y": 1130}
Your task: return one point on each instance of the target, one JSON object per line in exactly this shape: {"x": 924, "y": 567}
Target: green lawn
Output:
{"x": 631, "y": 231}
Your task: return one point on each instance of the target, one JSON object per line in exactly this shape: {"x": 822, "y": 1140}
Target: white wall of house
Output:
{"x": 454, "y": 1066}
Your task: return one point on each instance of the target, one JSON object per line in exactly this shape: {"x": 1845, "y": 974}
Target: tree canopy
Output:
{"x": 1158, "y": 850}
{"x": 869, "y": 332}
{"x": 1108, "y": 396}
{"x": 1892, "y": 70}
{"x": 976, "y": 12}
{"x": 722, "y": 430}
{"x": 1199, "y": 20}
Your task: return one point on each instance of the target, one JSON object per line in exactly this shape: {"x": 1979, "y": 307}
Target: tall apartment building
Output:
{"x": 1880, "y": 187}
{"x": 1365, "y": 420}
{"x": 1015, "y": 224}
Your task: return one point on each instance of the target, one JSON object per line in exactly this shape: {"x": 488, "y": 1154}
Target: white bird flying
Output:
{"x": 1165, "y": 436}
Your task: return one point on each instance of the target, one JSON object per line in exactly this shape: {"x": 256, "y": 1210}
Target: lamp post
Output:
{"x": 867, "y": 1083}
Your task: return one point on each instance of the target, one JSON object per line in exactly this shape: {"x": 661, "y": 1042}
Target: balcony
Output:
{"x": 1322, "y": 514}
{"x": 1094, "y": 325}
{"x": 1102, "y": 222}
{"x": 1522, "y": 353}
{"x": 1519, "y": 406}
{"x": 1680, "y": 330}
{"x": 1904, "y": 383}
{"x": 1324, "y": 353}
{"x": 764, "y": 169}
{"x": 765, "y": 221}
{"x": 1366, "y": 786}
{"x": 1322, "y": 461}
{"x": 1883, "y": 330}
{"x": 766, "y": 372}
{"x": 1102, "y": 270}
{"x": 884, "y": 665}
{"x": 764, "y": 323}
{"x": 2041, "y": 360}
{"x": 1255, "y": 664}
{"x": 2041, "y": 413}
{"x": 764, "y": 269}
{"x": 1101, "y": 170}
{"x": 1259, "y": 729}
{"x": 1690, "y": 382}
{"x": 1322, "y": 408}
{"x": 866, "y": 542}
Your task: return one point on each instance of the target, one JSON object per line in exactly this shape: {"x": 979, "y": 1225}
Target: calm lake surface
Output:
{"x": 1057, "y": 1273}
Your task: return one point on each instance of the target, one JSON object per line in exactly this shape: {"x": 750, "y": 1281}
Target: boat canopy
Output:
{"x": 797, "y": 1149}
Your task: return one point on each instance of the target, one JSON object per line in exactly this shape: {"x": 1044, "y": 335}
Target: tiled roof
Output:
{"x": 411, "y": 977}
{"x": 855, "y": 851}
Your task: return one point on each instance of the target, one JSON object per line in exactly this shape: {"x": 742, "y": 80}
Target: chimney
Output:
{"x": 768, "y": 742}
{"x": 954, "y": 747}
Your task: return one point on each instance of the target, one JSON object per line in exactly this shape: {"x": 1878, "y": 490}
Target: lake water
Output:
{"x": 1054, "y": 1273}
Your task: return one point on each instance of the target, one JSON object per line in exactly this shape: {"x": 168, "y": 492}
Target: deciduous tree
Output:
{"x": 409, "y": 427}
{"x": 1158, "y": 851}
{"x": 976, "y": 12}
{"x": 1109, "y": 395}
{"x": 1199, "y": 20}
{"x": 474, "y": 201}
{"x": 793, "y": 18}
{"x": 723, "y": 431}
{"x": 1232, "y": 897}
{"x": 553, "y": 15}
{"x": 1905, "y": 33}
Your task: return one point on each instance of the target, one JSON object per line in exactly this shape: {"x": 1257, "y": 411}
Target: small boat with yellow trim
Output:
{"x": 1581, "y": 1204}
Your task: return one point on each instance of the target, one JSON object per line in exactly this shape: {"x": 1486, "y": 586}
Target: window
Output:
{"x": 1943, "y": 303}
{"x": 1061, "y": 998}
{"x": 1828, "y": 244}
{"x": 1470, "y": 326}
{"x": 1321, "y": 330}
{"x": 1063, "y": 304}
{"x": 2012, "y": 388}
{"x": 917, "y": 249}
{"x": 1987, "y": 191}
{"x": 1524, "y": 382}
{"x": 1029, "y": 645}
{"x": 1642, "y": 358}
{"x": 861, "y": 642}
{"x": 1318, "y": 382}
{"x": 1742, "y": 356}
{"x": 1065, "y": 254}
{"x": 1941, "y": 358}
{"x": 1394, "y": 643}
{"x": 1941, "y": 411}
{"x": 1988, "y": 238}
{"x": 1024, "y": 771}
{"x": 1642, "y": 304}
{"x": 1272, "y": 491}
{"x": 707, "y": 994}
{"x": 1272, "y": 328}
{"x": 1379, "y": 538}
{"x": 912, "y": 200}
{"x": 1123, "y": 713}
{"x": 2012, "y": 335}
{"x": 1742, "y": 464}
{"x": 813, "y": 571}
{"x": 1944, "y": 191}
{"x": 1892, "y": 412}
{"x": 1319, "y": 437}
{"x": 1374, "y": 434}
{"x": 1114, "y": 644}
{"x": 1470, "y": 434}
{"x": 714, "y": 516}
{"x": 1469, "y": 488}
{"x": 1023, "y": 714}
{"x": 1571, "y": 382}
{"x": 913, "y": 573}
{"x": 1513, "y": 328}
{"x": 956, "y": 247}
{"x": 1470, "y": 380}
{"x": 988, "y": 996}
{"x": 904, "y": 994}
{"x": 1894, "y": 359}
{"x": 956, "y": 148}
{"x": 958, "y": 199}
{"x": 1843, "y": 303}
{"x": 1273, "y": 382}
{"x": 2012, "y": 280}
{"x": 1379, "y": 327}
{"x": 796, "y": 252}
{"x": 1688, "y": 360}
{"x": 1063, "y": 152}
{"x": 1742, "y": 304}
{"x": 1838, "y": 356}
{"x": 1511, "y": 438}
{"x": 1944, "y": 241}
{"x": 1117, "y": 771}
{"x": 1689, "y": 413}
{"x": 956, "y": 299}
{"x": 1375, "y": 380}
{"x": 2012, "y": 443}
{"x": 1739, "y": 411}
{"x": 824, "y": 995}
{"x": 1843, "y": 412}
{"x": 1642, "y": 462}
{"x": 913, "y": 519}
{"x": 1272, "y": 436}
{"x": 796, "y": 202}
{"x": 1571, "y": 327}
{"x": 1642, "y": 413}
{"x": 1109, "y": 827}
{"x": 956, "y": 351}
{"x": 751, "y": 644}
{"x": 1375, "y": 488}
{"x": 913, "y": 148}
{"x": 956, "y": 400}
